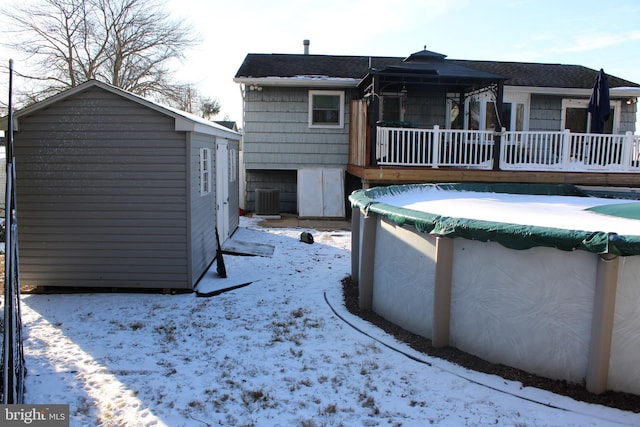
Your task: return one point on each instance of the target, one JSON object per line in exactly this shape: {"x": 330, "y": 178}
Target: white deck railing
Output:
{"x": 536, "y": 150}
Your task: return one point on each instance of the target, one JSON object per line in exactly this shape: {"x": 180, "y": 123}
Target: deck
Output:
{"x": 410, "y": 155}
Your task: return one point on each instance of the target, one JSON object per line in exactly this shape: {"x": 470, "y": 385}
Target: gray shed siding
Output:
{"x": 277, "y": 133}
{"x": 203, "y": 210}
{"x": 102, "y": 195}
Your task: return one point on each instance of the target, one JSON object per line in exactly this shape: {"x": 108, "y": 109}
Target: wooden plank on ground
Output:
{"x": 241, "y": 247}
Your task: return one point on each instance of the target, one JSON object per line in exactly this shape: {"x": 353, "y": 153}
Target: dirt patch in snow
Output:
{"x": 624, "y": 401}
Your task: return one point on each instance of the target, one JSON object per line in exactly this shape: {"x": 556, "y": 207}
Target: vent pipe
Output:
{"x": 306, "y": 47}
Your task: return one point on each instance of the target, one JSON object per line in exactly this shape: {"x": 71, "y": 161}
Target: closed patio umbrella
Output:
{"x": 599, "y": 106}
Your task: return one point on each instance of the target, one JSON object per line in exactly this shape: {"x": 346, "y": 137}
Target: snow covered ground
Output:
{"x": 272, "y": 353}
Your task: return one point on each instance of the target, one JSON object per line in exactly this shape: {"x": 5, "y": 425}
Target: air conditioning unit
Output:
{"x": 267, "y": 201}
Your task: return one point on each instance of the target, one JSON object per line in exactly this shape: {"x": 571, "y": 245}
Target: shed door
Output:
{"x": 222, "y": 188}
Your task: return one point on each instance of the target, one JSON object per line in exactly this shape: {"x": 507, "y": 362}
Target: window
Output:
{"x": 576, "y": 117}
{"x": 480, "y": 112}
{"x": 233, "y": 165}
{"x": 205, "y": 171}
{"x": 326, "y": 109}
{"x": 515, "y": 111}
{"x": 453, "y": 114}
{"x": 392, "y": 108}
{"x": 512, "y": 117}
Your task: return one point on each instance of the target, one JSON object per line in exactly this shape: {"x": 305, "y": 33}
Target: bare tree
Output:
{"x": 127, "y": 43}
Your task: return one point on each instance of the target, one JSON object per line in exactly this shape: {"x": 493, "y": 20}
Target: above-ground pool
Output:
{"x": 541, "y": 278}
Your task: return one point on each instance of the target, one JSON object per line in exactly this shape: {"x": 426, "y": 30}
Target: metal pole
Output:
{"x": 8, "y": 300}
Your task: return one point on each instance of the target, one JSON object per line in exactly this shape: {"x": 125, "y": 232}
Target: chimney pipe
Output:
{"x": 306, "y": 47}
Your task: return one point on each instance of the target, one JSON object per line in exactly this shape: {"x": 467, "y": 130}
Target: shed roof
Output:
{"x": 184, "y": 121}
{"x": 525, "y": 74}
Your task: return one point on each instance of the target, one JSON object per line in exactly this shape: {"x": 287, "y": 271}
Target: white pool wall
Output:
{"x": 529, "y": 309}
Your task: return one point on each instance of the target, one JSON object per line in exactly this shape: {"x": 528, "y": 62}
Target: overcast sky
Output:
{"x": 580, "y": 32}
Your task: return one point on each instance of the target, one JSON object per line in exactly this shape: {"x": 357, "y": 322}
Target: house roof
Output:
{"x": 271, "y": 67}
{"x": 184, "y": 121}
{"x": 545, "y": 75}
{"x": 228, "y": 124}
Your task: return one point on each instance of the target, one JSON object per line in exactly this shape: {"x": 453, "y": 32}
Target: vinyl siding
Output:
{"x": 284, "y": 181}
{"x": 277, "y": 134}
{"x": 545, "y": 113}
{"x": 101, "y": 195}
{"x": 203, "y": 212}
{"x": 628, "y": 117}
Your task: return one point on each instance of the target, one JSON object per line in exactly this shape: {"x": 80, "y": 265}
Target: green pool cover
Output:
{"x": 513, "y": 236}
{"x": 623, "y": 210}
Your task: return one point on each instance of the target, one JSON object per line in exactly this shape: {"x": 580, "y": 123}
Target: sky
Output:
{"x": 281, "y": 351}
{"x": 594, "y": 34}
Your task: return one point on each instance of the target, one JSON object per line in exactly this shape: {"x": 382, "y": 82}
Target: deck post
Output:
{"x": 627, "y": 147}
{"x": 566, "y": 149}
{"x": 367, "y": 261}
{"x": 442, "y": 292}
{"x": 497, "y": 137}
{"x": 435, "y": 147}
{"x": 602, "y": 323}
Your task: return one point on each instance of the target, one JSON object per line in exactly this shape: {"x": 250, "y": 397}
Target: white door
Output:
{"x": 321, "y": 193}
{"x": 222, "y": 189}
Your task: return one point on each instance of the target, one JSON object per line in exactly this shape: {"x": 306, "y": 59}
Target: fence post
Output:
{"x": 502, "y": 154}
{"x": 566, "y": 148}
{"x": 497, "y": 149}
{"x": 627, "y": 147}
{"x": 435, "y": 154}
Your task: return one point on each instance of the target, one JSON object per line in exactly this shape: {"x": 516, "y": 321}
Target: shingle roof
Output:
{"x": 283, "y": 65}
{"x": 202, "y": 124}
{"x": 545, "y": 75}
{"x": 357, "y": 67}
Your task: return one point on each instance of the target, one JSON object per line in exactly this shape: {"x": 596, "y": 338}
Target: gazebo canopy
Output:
{"x": 431, "y": 68}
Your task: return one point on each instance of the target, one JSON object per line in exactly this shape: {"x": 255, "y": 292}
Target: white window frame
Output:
{"x": 515, "y": 98}
{"x": 338, "y": 93}
{"x": 205, "y": 171}
{"x": 233, "y": 162}
{"x": 483, "y": 98}
{"x": 616, "y": 106}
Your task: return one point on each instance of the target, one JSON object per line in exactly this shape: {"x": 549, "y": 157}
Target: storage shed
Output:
{"x": 114, "y": 190}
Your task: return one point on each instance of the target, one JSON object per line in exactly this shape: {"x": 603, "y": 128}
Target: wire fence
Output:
{"x": 13, "y": 365}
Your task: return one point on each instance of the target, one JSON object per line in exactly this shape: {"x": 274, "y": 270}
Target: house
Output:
{"x": 229, "y": 124}
{"x": 114, "y": 190}
{"x": 317, "y": 126}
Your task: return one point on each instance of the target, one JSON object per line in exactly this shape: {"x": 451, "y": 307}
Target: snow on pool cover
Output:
{"x": 548, "y": 210}
{"x": 566, "y": 212}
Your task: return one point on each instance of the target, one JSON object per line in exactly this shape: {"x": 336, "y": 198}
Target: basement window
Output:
{"x": 326, "y": 109}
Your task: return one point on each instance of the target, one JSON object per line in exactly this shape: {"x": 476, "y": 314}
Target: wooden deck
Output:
{"x": 387, "y": 175}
